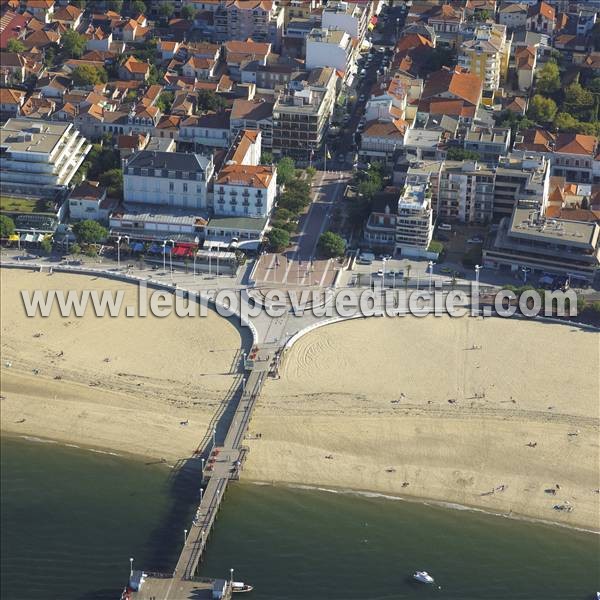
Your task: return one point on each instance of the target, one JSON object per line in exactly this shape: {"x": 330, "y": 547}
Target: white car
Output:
{"x": 475, "y": 240}
{"x": 445, "y": 227}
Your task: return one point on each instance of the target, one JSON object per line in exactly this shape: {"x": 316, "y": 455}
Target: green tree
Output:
{"x": 165, "y": 101}
{"x": 138, "y": 7}
{"x": 331, "y": 244}
{"x": 73, "y": 43}
{"x": 566, "y": 122}
{"x": 87, "y": 75}
{"x": 7, "y": 226}
{"x": 15, "y": 45}
{"x": 548, "y": 79}
{"x": 278, "y": 239}
{"x": 310, "y": 172}
{"x": 542, "y": 110}
{"x": 594, "y": 85}
{"x": 89, "y": 232}
{"x": 286, "y": 170}
{"x": 155, "y": 75}
{"x": 46, "y": 245}
{"x": 188, "y": 12}
{"x": 113, "y": 181}
{"x": 75, "y": 249}
{"x": 209, "y": 100}
{"x": 283, "y": 214}
{"x": 116, "y": 5}
{"x": 266, "y": 158}
{"x": 578, "y": 100}
{"x": 166, "y": 10}
{"x": 462, "y": 154}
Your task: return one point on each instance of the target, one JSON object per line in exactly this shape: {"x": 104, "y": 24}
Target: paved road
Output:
{"x": 298, "y": 265}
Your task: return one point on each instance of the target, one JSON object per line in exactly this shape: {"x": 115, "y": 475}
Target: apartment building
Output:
{"x": 513, "y": 16}
{"x": 261, "y": 20}
{"x": 465, "y": 192}
{"x": 245, "y": 190}
{"x": 529, "y": 239}
{"x": 519, "y": 178}
{"x": 168, "y": 179}
{"x": 489, "y": 142}
{"x": 256, "y": 115}
{"x": 39, "y": 157}
{"x": 414, "y": 220}
{"x": 301, "y": 114}
{"x": 573, "y": 156}
{"x": 331, "y": 48}
{"x": 346, "y": 16}
{"x": 487, "y": 55}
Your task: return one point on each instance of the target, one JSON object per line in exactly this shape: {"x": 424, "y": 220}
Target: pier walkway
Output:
{"x": 223, "y": 464}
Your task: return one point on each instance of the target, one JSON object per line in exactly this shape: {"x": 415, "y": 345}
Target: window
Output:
{"x": 198, "y": 189}
{"x": 171, "y": 186}
{"x": 185, "y": 189}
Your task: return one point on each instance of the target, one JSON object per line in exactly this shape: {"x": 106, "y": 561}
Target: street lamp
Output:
{"x": 131, "y": 567}
{"x": 119, "y": 238}
{"x": 164, "y": 247}
{"x": 525, "y": 271}
{"x": 184, "y": 536}
{"x": 477, "y": 269}
{"x": 201, "y": 494}
{"x": 384, "y": 260}
{"x": 214, "y": 437}
{"x": 430, "y": 273}
{"x": 197, "y": 241}
{"x": 231, "y": 576}
{"x": 172, "y": 242}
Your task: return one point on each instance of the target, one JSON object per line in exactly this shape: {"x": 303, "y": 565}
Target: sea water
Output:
{"x": 71, "y": 518}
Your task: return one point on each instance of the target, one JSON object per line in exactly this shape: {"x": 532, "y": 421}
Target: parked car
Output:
{"x": 475, "y": 240}
{"x": 445, "y": 227}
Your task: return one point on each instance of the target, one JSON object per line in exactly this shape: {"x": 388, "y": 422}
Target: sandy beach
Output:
{"x": 409, "y": 407}
{"x": 126, "y": 384}
{"x": 497, "y": 414}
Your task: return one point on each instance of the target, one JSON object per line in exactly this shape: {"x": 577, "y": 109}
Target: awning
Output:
{"x": 14, "y": 237}
{"x": 137, "y": 246}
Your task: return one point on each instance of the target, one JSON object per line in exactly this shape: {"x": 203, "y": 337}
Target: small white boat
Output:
{"x": 240, "y": 586}
{"x": 423, "y": 577}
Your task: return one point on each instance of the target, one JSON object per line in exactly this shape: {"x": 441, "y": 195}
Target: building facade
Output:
{"x": 172, "y": 179}
{"x": 301, "y": 115}
{"x": 40, "y": 157}
{"x": 487, "y": 55}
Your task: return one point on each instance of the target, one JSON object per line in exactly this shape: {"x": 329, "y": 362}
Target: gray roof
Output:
{"x": 172, "y": 161}
{"x": 239, "y": 223}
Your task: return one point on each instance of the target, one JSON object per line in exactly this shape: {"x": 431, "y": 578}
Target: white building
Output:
{"x": 346, "y": 16}
{"x": 245, "y": 190}
{"x": 331, "y": 48}
{"x": 172, "y": 179}
{"x": 414, "y": 223}
{"x": 39, "y": 157}
{"x": 88, "y": 201}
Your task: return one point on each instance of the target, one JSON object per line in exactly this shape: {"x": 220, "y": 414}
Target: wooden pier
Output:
{"x": 223, "y": 464}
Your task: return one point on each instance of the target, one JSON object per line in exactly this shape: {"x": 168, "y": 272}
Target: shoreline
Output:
{"x": 139, "y": 410}
{"x": 361, "y": 493}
